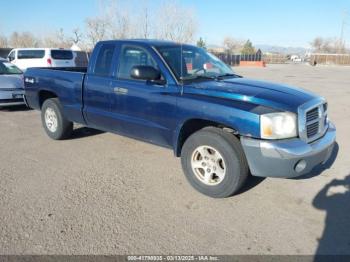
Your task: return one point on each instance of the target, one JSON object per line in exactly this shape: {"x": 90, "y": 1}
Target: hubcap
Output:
{"x": 51, "y": 120}
{"x": 208, "y": 165}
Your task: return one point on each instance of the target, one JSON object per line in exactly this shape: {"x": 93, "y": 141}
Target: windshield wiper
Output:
{"x": 205, "y": 77}
{"x": 198, "y": 77}
{"x": 228, "y": 75}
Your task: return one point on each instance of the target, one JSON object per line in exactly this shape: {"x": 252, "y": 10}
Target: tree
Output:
{"x": 176, "y": 23}
{"x": 23, "y": 40}
{"x": 120, "y": 26}
{"x": 96, "y": 30}
{"x": 317, "y": 43}
{"x": 328, "y": 45}
{"x": 201, "y": 43}
{"x": 231, "y": 45}
{"x": 116, "y": 20}
{"x": 57, "y": 40}
{"x": 77, "y": 36}
{"x": 3, "y": 41}
{"x": 145, "y": 22}
{"x": 248, "y": 48}
{"x": 113, "y": 22}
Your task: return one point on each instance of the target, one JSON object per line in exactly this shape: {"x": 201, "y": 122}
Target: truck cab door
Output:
{"x": 97, "y": 88}
{"x": 143, "y": 110}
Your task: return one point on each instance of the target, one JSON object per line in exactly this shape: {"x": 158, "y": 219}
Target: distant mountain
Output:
{"x": 282, "y": 49}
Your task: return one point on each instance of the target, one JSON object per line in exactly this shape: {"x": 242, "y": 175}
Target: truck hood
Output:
{"x": 281, "y": 97}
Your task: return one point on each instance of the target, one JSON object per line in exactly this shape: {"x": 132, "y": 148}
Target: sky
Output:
{"x": 273, "y": 22}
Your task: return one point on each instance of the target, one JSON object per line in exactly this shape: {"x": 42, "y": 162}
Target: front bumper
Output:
{"x": 287, "y": 158}
{"x": 12, "y": 97}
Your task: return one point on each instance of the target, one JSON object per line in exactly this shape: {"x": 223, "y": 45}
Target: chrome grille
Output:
{"x": 312, "y": 118}
{"x": 312, "y": 129}
{"x": 312, "y": 114}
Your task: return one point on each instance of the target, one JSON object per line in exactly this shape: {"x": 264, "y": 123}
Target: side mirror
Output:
{"x": 148, "y": 73}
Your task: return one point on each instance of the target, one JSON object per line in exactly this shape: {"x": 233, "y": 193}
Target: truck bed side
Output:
{"x": 66, "y": 84}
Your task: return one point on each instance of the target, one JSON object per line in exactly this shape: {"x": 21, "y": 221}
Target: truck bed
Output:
{"x": 63, "y": 82}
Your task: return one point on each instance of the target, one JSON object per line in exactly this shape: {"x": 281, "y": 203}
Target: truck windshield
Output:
{"x": 191, "y": 63}
{"x": 7, "y": 68}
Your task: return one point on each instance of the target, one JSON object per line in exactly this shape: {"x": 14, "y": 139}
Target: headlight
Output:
{"x": 278, "y": 125}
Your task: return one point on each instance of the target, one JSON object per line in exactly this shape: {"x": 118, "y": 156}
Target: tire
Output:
{"x": 227, "y": 162}
{"x": 55, "y": 124}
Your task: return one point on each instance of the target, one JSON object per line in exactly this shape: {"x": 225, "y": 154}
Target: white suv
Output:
{"x": 41, "y": 57}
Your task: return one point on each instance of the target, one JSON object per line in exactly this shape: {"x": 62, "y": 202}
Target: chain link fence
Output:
{"x": 234, "y": 60}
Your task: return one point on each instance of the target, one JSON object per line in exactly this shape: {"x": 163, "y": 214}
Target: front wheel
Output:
{"x": 55, "y": 124}
{"x": 214, "y": 162}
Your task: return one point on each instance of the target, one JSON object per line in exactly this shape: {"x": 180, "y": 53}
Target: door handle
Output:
{"x": 120, "y": 90}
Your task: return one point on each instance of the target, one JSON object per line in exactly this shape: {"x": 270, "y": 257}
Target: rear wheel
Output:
{"x": 214, "y": 162}
{"x": 55, "y": 124}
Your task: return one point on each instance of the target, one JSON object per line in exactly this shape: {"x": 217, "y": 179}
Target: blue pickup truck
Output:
{"x": 223, "y": 126}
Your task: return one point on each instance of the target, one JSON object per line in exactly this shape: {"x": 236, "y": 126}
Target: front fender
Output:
{"x": 236, "y": 115}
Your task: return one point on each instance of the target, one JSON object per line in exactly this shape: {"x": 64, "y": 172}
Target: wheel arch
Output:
{"x": 44, "y": 95}
{"x": 191, "y": 126}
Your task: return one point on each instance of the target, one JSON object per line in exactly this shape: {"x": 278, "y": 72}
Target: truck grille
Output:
{"x": 312, "y": 115}
{"x": 312, "y": 129}
{"x": 313, "y": 120}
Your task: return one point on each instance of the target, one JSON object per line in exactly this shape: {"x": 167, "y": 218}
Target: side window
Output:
{"x": 104, "y": 60}
{"x": 30, "y": 54}
{"x": 131, "y": 56}
{"x": 11, "y": 56}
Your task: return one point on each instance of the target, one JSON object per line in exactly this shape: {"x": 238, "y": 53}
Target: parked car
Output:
{"x": 11, "y": 84}
{"x": 223, "y": 126}
{"x": 41, "y": 57}
{"x": 296, "y": 59}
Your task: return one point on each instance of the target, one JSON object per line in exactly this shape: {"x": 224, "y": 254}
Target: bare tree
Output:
{"x": 317, "y": 43}
{"x": 3, "y": 41}
{"x": 120, "y": 22}
{"x": 116, "y": 20}
{"x": 57, "y": 40}
{"x": 24, "y": 39}
{"x": 145, "y": 22}
{"x": 328, "y": 45}
{"x": 339, "y": 46}
{"x": 120, "y": 26}
{"x": 77, "y": 36}
{"x": 176, "y": 23}
{"x": 96, "y": 30}
{"x": 232, "y": 45}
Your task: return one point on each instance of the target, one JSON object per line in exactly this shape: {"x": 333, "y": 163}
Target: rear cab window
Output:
{"x": 104, "y": 60}
{"x": 30, "y": 54}
{"x": 61, "y": 54}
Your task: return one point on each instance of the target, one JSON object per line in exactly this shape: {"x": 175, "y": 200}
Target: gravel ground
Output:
{"x": 100, "y": 193}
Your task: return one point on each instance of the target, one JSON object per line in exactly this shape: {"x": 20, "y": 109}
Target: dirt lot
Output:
{"x": 100, "y": 193}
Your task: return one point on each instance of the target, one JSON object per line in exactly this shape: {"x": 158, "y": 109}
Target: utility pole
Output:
{"x": 345, "y": 15}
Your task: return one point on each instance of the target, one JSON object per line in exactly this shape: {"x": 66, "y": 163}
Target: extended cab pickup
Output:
{"x": 223, "y": 126}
